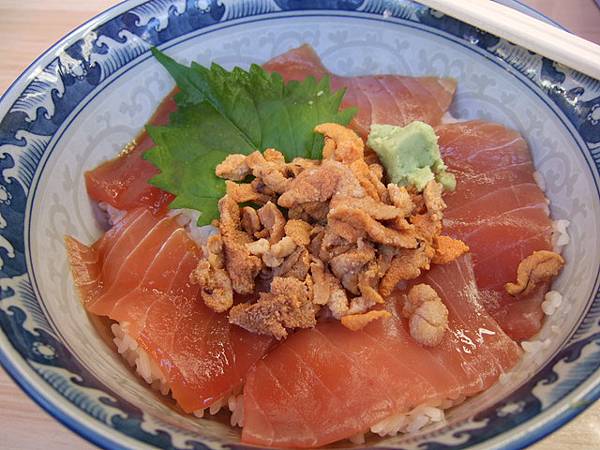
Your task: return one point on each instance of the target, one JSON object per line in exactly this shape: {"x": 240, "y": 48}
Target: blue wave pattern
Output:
{"x": 399, "y": 10}
{"x": 39, "y": 93}
{"x": 49, "y": 99}
{"x": 585, "y": 115}
{"x": 245, "y": 8}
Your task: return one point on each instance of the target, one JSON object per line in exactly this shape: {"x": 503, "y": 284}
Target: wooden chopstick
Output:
{"x": 519, "y": 28}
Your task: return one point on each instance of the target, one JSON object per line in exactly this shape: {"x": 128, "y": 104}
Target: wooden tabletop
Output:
{"x": 27, "y": 28}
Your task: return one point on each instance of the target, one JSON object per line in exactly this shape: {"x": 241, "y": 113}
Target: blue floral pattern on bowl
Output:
{"x": 63, "y": 102}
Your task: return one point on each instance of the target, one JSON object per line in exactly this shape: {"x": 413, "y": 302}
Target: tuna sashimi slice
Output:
{"x": 500, "y": 212}
{"x": 123, "y": 182}
{"x": 122, "y": 272}
{"x": 147, "y": 290}
{"x": 391, "y": 99}
{"x": 329, "y": 383}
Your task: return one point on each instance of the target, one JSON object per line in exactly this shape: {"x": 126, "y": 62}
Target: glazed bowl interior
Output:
{"x": 116, "y": 109}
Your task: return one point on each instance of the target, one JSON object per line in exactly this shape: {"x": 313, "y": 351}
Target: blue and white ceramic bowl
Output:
{"x": 94, "y": 90}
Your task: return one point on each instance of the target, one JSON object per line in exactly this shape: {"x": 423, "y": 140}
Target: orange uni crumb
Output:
{"x": 447, "y": 249}
{"x": 357, "y": 322}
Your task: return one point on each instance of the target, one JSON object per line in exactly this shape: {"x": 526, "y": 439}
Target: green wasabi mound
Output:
{"x": 410, "y": 154}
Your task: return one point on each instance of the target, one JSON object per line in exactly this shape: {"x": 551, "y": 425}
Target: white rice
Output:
{"x": 505, "y": 378}
{"x": 535, "y": 354}
{"x": 535, "y": 346}
{"x": 358, "y": 438}
{"x": 449, "y": 118}
{"x": 552, "y": 301}
{"x": 535, "y": 350}
{"x": 560, "y": 238}
{"x": 113, "y": 215}
{"x": 409, "y": 422}
{"x": 212, "y": 409}
{"x": 137, "y": 357}
{"x": 560, "y": 234}
{"x": 539, "y": 179}
{"x": 236, "y": 406}
{"x": 188, "y": 218}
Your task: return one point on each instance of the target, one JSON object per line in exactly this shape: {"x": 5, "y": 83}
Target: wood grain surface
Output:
{"x": 27, "y": 28}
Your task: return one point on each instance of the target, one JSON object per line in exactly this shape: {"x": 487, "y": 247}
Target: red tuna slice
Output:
{"x": 329, "y": 383}
{"x": 123, "y": 182}
{"x": 147, "y": 290}
{"x": 391, "y": 99}
{"x": 500, "y": 212}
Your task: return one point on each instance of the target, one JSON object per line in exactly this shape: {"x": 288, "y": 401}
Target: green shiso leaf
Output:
{"x": 220, "y": 112}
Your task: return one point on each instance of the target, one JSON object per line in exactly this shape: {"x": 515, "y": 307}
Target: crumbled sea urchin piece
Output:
{"x": 357, "y": 322}
{"x": 538, "y": 267}
{"x": 427, "y": 315}
{"x": 330, "y": 238}
{"x": 287, "y": 305}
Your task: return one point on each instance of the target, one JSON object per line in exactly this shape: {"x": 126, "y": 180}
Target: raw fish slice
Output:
{"x": 485, "y": 182}
{"x": 86, "y": 262}
{"x": 297, "y": 64}
{"x": 391, "y": 99}
{"x": 395, "y": 99}
{"x": 170, "y": 263}
{"x": 510, "y": 252}
{"x": 133, "y": 266}
{"x": 530, "y": 217}
{"x": 476, "y": 335}
{"x": 375, "y": 102}
{"x": 181, "y": 281}
{"x": 494, "y": 201}
{"x": 196, "y": 342}
{"x": 204, "y": 352}
{"x": 355, "y": 96}
{"x": 123, "y": 182}
{"x": 86, "y": 269}
{"x": 525, "y": 314}
{"x": 500, "y": 212}
{"x": 124, "y": 243}
{"x": 104, "y": 245}
{"x": 167, "y": 335}
{"x": 344, "y": 382}
{"x": 490, "y": 145}
{"x": 412, "y": 355}
{"x": 201, "y": 355}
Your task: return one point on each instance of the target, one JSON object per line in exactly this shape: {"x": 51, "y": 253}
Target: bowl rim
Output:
{"x": 105, "y": 437}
